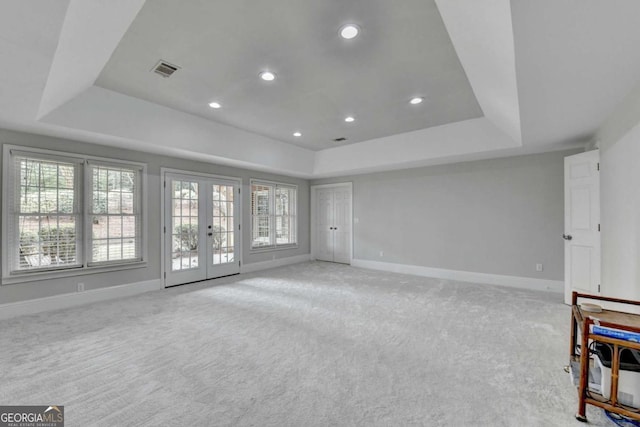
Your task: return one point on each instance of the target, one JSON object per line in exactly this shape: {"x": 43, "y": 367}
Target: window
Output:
{"x": 115, "y": 214}
{"x": 285, "y": 215}
{"x": 45, "y": 214}
{"x": 70, "y": 212}
{"x": 273, "y": 215}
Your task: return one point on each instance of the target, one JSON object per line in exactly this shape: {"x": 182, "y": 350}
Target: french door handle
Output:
{"x": 567, "y": 236}
{"x": 209, "y": 234}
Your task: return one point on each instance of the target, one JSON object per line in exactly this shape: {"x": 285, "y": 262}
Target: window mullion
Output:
{"x": 272, "y": 215}
{"x": 83, "y": 211}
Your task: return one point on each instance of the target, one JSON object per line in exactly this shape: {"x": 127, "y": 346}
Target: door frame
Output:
{"x": 163, "y": 179}
{"x": 312, "y": 224}
{"x": 594, "y": 157}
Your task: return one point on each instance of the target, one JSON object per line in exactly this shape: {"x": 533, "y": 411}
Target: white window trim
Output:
{"x": 31, "y": 276}
{"x": 274, "y": 247}
{"x": 88, "y": 196}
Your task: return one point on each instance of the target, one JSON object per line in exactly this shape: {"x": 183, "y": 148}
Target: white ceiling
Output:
{"x": 506, "y": 77}
{"x": 403, "y": 51}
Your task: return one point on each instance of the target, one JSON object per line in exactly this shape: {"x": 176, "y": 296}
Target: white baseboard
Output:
{"x": 57, "y": 302}
{"x": 464, "y": 276}
{"x": 279, "y": 262}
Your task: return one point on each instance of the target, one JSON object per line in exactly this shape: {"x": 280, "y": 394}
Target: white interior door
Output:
{"x": 342, "y": 225}
{"x": 582, "y": 223}
{"x": 333, "y": 224}
{"x": 201, "y": 228}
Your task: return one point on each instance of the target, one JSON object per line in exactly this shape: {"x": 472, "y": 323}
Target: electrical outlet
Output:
{"x": 381, "y": 253}
{"x": 80, "y": 287}
{"x": 539, "y": 267}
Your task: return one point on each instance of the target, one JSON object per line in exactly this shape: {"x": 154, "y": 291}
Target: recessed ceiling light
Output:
{"x": 349, "y": 31}
{"x": 297, "y": 134}
{"x": 267, "y": 76}
{"x": 417, "y": 100}
{"x": 214, "y": 105}
{"x": 349, "y": 119}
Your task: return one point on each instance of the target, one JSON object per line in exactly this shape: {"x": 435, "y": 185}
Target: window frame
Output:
{"x": 273, "y": 246}
{"x": 84, "y": 195}
{"x": 88, "y": 211}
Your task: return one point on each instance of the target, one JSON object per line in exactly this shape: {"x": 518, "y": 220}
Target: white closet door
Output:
{"x": 324, "y": 225}
{"x": 342, "y": 225}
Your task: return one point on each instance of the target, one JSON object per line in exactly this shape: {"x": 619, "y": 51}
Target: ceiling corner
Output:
{"x": 482, "y": 35}
{"x": 90, "y": 33}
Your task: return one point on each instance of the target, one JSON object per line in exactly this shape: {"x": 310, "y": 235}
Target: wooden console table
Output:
{"x": 581, "y": 322}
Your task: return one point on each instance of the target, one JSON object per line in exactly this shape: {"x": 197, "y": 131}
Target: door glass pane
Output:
{"x": 184, "y": 223}
{"x": 223, "y": 226}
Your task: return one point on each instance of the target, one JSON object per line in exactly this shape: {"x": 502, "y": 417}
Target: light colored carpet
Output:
{"x": 313, "y": 344}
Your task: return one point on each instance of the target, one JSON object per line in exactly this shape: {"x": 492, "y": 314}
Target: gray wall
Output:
{"x": 37, "y": 289}
{"x": 498, "y": 216}
{"x": 619, "y": 142}
{"x": 620, "y": 216}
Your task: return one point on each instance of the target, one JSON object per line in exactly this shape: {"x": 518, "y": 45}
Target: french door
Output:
{"x": 202, "y": 236}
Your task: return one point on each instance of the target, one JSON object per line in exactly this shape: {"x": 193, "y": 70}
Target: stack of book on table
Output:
{"x": 615, "y": 333}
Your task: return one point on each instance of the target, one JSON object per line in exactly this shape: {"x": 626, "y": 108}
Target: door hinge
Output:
{"x": 165, "y": 274}
{"x": 165, "y": 184}
{"x": 239, "y": 227}
{"x": 239, "y": 263}
{"x": 598, "y": 165}
{"x": 238, "y": 190}
{"x": 598, "y": 227}
{"x": 598, "y": 288}
{"x": 165, "y": 229}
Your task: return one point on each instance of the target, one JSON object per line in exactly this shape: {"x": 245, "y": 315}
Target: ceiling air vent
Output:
{"x": 165, "y": 69}
{"x": 340, "y": 139}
